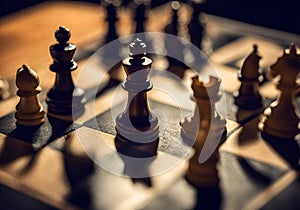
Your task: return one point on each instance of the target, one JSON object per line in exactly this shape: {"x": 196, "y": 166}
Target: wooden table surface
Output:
{"x": 25, "y": 37}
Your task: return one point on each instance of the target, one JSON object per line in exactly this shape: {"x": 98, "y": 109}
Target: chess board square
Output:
{"x": 39, "y": 136}
{"x": 291, "y": 192}
{"x": 23, "y": 200}
{"x": 233, "y": 170}
{"x": 169, "y": 118}
{"x": 255, "y": 176}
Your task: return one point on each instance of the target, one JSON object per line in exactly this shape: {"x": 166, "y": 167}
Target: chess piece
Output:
{"x": 208, "y": 198}
{"x": 196, "y": 25}
{"x": 207, "y": 136}
{"x": 112, "y": 57}
{"x": 174, "y": 46}
{"x": 140, "y": 17}
{"x": 64, "y": 98}
{"x": 111, "y": 18}
{"x": 29, "y": 111}
{"x": 4, "y": 89}
{"x": 280, "y": 119}
{"x": 172, "y": 27}
{"x": 137, "y": 127}
{"x": 248, "y": 97}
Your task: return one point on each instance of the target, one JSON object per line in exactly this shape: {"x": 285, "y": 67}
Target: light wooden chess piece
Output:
{"x": 29, "y": 111}
{"x": 280, "y": 119}
{"x": 4, "y": 89}
{"x": 248, "y": 97}
{"x": 208, "y": 136}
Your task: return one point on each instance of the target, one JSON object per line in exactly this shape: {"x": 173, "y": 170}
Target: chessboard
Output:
{"x": 74, "y": 162}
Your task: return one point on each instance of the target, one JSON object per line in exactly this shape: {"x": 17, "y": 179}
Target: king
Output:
{"x": 137, "y": 127}
{"x": 64, "y": 98}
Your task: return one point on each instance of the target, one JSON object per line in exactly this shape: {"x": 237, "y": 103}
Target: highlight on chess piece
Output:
{"x": 29, "y": 111}
{"x": 281, "y": 119}
{"x": 207, "y": 137}
{"x": 248, "y": 96}
{"x": 137, "y": 127}
{"x": 64, "y": 98}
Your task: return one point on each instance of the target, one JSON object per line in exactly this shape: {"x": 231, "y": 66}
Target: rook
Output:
{"x": 207, "y": 128}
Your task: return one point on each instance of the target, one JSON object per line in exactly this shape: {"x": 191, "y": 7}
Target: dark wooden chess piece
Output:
{"x": 208, "y": 198}
{"x": 64, "y": 98}
{"x": 111, "y": 18}
{"x": 111, "y": 57}
{"x": 137, "y": 128}
{"x": 174, "y": 46}
{"x": 205, "y": 131}
{"x": 140, "y": 17}
{"x": 281, "y": 119}
{"x": 172, "y": 27}
{"x": 248, "y": 96}
{"x": 196, "y": 26}
{"x": 29, "y": 111}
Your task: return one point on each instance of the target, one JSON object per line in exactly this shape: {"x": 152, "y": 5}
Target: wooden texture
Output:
{"x": 29, "y": 33}
{"x": 47, "y": 173}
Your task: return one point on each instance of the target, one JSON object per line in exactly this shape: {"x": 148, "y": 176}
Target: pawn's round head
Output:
{"x": 175, "y": 5}
{"x": 137, "y": 48}
{"x": 27, "y": 79}
{"x": 62, "y": 34}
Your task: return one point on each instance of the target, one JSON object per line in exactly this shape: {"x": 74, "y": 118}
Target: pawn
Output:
{"x": 173, "y": 26}
{"x": 140, "y": 17}
{"x": 196, "y": 25}
{"x": 29, "y": 111}
{"x": 173, "y": 45}
{"x": 64, "y": 98}
{"x": 112, "y": 19}
{"x": 248, "y": 96}
{"x": 205, "y": 131}
{"x": 281, "y": 119}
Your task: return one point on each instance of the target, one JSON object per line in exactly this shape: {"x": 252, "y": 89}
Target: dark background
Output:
{"x": 277, "y": 14}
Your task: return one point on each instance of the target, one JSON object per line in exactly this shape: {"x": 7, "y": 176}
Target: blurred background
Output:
{"x": 282, "y": 15}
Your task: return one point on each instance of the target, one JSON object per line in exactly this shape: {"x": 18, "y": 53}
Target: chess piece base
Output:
{"x": 248, "y": 102}
{"x": 286, "y": 129}
{"x": 30, "y": 119}
{"x": 204, "y": 174}
{"x": 134, "y": 149}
